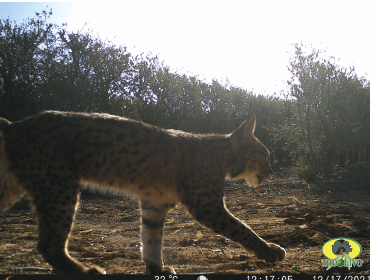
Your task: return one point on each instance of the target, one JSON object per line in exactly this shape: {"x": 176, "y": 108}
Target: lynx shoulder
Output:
{"x": 50, "y": 155}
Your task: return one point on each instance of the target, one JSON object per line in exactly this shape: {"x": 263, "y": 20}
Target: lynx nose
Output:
{"x": 267, "y": 177}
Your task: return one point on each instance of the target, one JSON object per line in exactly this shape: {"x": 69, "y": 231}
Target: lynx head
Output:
{"x": 251, "y": 157}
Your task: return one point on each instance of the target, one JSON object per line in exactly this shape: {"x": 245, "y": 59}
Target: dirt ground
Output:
{"x": 299, "y": 216}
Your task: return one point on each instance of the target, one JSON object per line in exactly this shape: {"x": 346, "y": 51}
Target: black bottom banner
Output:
{"x": 189, "y": 277}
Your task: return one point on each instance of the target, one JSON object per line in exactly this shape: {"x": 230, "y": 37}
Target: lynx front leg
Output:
{"x": 214, "y": 215}
{"x": 152, "y": 223}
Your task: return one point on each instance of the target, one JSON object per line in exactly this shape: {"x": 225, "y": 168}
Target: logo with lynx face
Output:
{"x": 341, "y": 252}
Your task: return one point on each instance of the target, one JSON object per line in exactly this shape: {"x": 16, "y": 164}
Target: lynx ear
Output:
{"x": 243, "y": 133}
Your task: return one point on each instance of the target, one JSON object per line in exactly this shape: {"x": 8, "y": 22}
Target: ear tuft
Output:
{"x": 250, "y": 126}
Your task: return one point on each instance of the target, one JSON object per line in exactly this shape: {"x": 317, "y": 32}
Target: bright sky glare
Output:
{"x": 246, "y": 42}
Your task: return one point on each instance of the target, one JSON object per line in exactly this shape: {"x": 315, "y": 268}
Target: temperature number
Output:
{"x": 170, "y": 277}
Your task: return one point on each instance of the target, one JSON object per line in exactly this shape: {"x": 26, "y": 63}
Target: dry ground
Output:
{"x": 299, "y": 216}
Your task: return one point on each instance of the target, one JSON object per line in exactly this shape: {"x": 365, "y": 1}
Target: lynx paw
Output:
{"x": 153, "y": 269}
{"x": 274, "y": 253}
{"x": 95, "y": 270}
{"x": 168, "y": 270}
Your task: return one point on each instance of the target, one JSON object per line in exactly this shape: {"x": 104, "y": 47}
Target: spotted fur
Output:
{"x": 49, "y": 156}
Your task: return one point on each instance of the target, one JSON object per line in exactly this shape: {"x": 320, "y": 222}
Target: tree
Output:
{"x": 330, "y": 105}
{"x": 21, "y": 55}
{"x": 45, "y": 67}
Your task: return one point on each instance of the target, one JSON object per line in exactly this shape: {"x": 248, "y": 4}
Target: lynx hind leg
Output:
{"x": 152, "y": 224}
{"x": 10, "y": 190}
{"x": 55, "y": 212}
{"x": 212, "y": 213}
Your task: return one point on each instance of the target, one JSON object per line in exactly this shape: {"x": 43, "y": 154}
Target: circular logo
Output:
{"x": 338, "y": 246}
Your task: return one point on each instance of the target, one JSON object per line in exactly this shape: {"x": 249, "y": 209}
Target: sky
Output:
{"x": 248, "y": 43}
